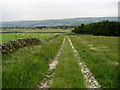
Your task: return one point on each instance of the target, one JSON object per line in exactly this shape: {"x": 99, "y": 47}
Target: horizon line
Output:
{"x": 59, "y": 18}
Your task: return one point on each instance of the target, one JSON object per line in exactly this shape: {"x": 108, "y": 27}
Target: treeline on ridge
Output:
{"x": 105, "y": 28}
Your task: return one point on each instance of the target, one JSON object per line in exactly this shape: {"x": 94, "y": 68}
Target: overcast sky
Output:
{"x": 15, "y": 10}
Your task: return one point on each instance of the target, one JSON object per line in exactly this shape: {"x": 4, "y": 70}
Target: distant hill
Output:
{"x": 56, "y": 22}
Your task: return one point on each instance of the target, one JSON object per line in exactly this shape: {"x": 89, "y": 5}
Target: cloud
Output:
{"x": 50, "y": 9}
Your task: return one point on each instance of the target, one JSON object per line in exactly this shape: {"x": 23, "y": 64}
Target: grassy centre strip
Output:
{"x": 67, "y": 73}
{"x": 46, "y": 83}
{"x": 91, "y": 82}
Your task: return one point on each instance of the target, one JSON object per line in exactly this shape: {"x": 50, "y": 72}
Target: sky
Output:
{"x": 17, "y": 10}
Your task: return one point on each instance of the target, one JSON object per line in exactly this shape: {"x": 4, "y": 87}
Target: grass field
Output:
{"x": 35, "y": 30}
{"x": 13, "y": 36}
{"x": 26, "y": 67}
{"x": 101, "y": 56}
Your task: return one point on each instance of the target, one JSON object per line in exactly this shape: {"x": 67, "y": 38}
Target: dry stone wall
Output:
{"x": 16, "y": 44}
{"x": 11, "y": 46}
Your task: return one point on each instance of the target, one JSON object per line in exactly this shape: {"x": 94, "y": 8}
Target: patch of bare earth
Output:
{"x": 85, "y": 42}
{"x": 103, "y": 47}
{"x": 47, "y": 81}
{"x": 91, "y": 46}
{"x": 115, "y": 63}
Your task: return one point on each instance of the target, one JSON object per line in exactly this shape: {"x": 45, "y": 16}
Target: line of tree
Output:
{"x": 105, "y": 28}
{"x": 40, "y": 27}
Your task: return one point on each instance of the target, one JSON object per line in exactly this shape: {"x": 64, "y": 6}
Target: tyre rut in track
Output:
{"x": 47, "y": 81}
{"x": 91, "y": 82}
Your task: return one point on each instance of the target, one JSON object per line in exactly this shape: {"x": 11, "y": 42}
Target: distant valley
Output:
{"x": 56, "y": 22}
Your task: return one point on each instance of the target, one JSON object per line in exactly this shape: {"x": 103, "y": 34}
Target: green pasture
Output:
{"x": 36, "y": 30}
{"x": 5, "y": 37}
{"x": 28, "y": 66}
{"x": 101, "y": 56}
